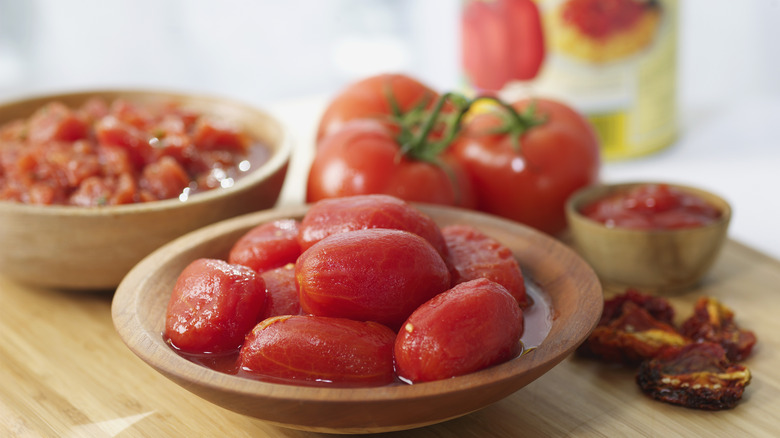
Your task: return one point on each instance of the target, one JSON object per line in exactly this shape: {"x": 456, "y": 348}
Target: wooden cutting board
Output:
{"x": 64, "y": 372}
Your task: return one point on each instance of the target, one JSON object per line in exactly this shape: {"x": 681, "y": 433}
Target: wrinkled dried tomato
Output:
{"x": 658, "y": 307}
{"x": 697, "y": 375}
{"x": 714, "y": 322}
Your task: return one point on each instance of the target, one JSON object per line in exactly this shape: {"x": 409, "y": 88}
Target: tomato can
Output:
{"x": 613, "y": 60}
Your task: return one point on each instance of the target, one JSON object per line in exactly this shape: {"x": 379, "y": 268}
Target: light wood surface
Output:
{"x": 65, "y": 372}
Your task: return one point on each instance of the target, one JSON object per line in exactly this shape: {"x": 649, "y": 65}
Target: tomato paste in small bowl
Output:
{"x": 658, "y": 237}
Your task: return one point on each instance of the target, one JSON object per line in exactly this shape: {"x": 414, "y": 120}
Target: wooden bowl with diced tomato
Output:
{"x": 93, "y": 181}
{"x": 567, "y": 303}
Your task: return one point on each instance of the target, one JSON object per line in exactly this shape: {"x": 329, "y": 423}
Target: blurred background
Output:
{"x": 291, "y": 56}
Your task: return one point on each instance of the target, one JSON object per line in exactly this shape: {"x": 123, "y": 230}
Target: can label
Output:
{"x": 613, "y": 60}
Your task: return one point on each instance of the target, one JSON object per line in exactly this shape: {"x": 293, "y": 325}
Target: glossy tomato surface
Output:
{"x": 529, "y": 181}
{"x": 213, "y": 306}
{"x": 372, "y": 98}
{"x": 474, "y": 255}
{"x": 334, "y": 216}
{"x": 379, "y": 275}
{"x": 320, "y": 349}
{"x": 652, "y": 207}
{"x": 470, "y": 327}
{"x": 364, "y": 157}
{"x": 267, "y": 246}
{"x": 281, "y": 292}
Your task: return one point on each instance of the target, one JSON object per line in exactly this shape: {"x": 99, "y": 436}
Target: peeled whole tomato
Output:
{"x": 379, "y": 275}
{"x": 472, "y": 326}
{"x": 320, "y": 349}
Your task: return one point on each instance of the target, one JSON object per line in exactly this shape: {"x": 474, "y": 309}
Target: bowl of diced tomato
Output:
{"x": 358, "y": 314}
{"x": 655, "y": 236}
{"x": 93, "y": 181}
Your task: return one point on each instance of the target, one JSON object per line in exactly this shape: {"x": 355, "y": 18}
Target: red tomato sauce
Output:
{"x": 652, "y": 207}
{"x": 120, "y": 152}
{"x": 603, "y": 18}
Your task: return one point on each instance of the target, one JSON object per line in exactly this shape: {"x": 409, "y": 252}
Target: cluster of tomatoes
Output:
{"x": 364, "y": 290}
{"x": 392, "y": 134}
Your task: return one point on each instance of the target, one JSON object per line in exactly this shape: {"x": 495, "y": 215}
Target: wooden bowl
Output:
{"x": 92, "y": 248}
{"x": 564, "y": 280}
{"x": 654, "y": 261}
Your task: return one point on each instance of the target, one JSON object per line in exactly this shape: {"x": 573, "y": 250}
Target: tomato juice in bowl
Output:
{"x": 91, "y": 245}
{"x": 657, "y": 237}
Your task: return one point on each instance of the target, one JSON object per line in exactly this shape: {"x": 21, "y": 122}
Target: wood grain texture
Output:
{"x": 65, "y": 372}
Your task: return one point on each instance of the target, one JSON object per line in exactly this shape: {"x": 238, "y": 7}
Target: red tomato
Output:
{"x": 339, "y": 215}
{"x": 652, "y": 206}
{"x": 376, "y": 275}
{"x": 320, "y": 349}
{"x": 281, "y": 294}
{"x": 56, "y": 122}
{"x": 213, "y": 306}
{"x": 529, "y": 179}
{"x": 472, "y": 326}
{"x": 364, "y": 157}
{"x": 474, "y": 255}
{"x": 372, "y": 98}
{"x": 267, "y": 246}
{"x": 502, "y": 41}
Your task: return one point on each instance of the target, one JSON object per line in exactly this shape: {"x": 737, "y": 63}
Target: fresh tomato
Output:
{"x": 502, "y": 41}
{"x": 267, "y": 246}
{"x": 365, "y": 157}
{"x": 213, "y": 306}
{"x": 470, "y": 327}
{"x": 385, "y": 97}
{"x": 473, "y": 255}
{"x": 320, "y": 350}
{"x": 339, "y": 215}
{"x": 379, "y": 275}
{"x": 525, "y": 163}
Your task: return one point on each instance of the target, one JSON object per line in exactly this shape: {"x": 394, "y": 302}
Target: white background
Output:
{"x": 290, "y": 56}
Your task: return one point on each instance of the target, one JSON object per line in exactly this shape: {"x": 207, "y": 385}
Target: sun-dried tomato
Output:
{"x": 697, "y": 375}
{"x": 712, "y": 321}
{"x": 632, "y": 336}
{"x": 658, "y": 307}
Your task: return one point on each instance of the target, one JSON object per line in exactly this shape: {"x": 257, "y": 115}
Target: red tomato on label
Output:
{"x": 339, "y": 215}
{"x": 364, "y": 157}
{"x": 373, "y": 98}
{"x": 530, "y": 179}
{"x": 267, "y": 246}
{"x": 377, "y": 275}
{"x": 472, "y": 326}
{"x": 502, "y": 41}
{"x": 320, "y": 349}
{"x": 474, "y": 255}
{"x": 213, "y": 306}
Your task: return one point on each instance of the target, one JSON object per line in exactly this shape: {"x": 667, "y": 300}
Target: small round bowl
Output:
{"x": 564, "y": 280}
{"x": 654, "y": 261}
{"x": 92, "y": 248}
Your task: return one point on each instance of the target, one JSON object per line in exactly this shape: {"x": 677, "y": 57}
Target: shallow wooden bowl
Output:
{"x": 92, "y": 248}
{"x": 654, "y": 261}
{"x": 561, "y": 276}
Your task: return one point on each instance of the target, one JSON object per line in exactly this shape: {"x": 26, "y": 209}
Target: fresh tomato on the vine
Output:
{"x": 403, "y": 159}
{"x": 525, "y": 163}
{"x": 385, "y": 97}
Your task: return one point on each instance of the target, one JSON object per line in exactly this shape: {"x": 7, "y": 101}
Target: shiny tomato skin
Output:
{"x": 338, "y": 215}
{"x": 281, "y": 292}
{"x": 530, "y": 185}
{"x": 470, "y": 327}
{"x": 379, "y": 275}
{"x": 474, "y": 255}
{"x": 368, "y": 98}
{"x": 267, "y": 246}
{"x": 213, "y": 306}
{"x": 305, "y": 348}
{"x": 364, "y": 157}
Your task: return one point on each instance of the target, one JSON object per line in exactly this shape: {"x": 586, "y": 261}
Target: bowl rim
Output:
{"x": 134, "y": 334}
{"x": 597, "y": 191}
{"x": 279, "y": 155}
